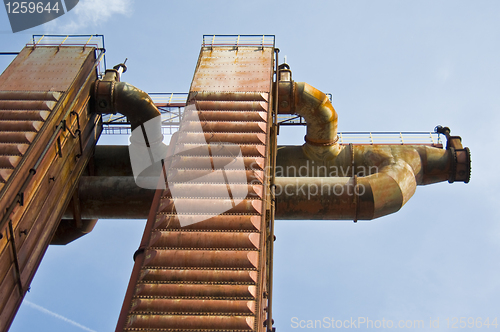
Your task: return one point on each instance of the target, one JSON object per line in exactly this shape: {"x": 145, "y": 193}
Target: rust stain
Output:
{"x": 210, "y": 265}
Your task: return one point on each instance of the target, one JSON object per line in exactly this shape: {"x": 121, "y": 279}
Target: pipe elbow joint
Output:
{"x": 321, "y": 138}
{"x": 321, "y": 118}
{"x": 146, "y": 148}
{"x": 318, "y": 112}
{"x": 388, "y": 190}
{"x": 113, "y": 97}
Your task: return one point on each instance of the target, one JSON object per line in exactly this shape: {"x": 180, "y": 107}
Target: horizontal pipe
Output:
{"x": 392, "y": 172}
{"x": 114, "y": 160}
{"x": 116, "y": 197}
{"x": 68, "y": 230}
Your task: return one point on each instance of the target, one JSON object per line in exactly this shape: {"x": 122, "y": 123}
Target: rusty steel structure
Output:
{"x": 210, "y": 197}
{"x": 46, "y": 141}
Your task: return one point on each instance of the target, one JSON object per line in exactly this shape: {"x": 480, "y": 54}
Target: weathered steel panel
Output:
{"x": 218, "y": 257}
{"x": 40, "y": 159}
{"x": 44, "y": 69}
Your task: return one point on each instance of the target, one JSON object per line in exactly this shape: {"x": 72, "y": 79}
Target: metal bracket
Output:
{"x": 16, "y": 260}
{"x": 355, "y": 198}
{"x": 78, "y": 132}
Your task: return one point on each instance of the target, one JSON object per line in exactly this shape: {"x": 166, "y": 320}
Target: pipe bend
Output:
{"x": 321, "y": 117}
{"x": 113, "y": 97}
{"x": 134, "y": 103}
{"x": 390, "y": 188}
{"x": 146, "y": 148}
{"x": 342, "y": 198}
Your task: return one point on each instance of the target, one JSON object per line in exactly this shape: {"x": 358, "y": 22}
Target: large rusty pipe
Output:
{"x": 112, "y": 96}
{"x": 147, "y": 149}
{"x": 437, "y": 163}
{"x": 383, "y": 167}
{"x": 112, "y": 197}
{"x": 319, "y": 114}
{"x": 321, "y": 118}
{"x": 389, "y": 175}
{"x": 341, "y": 198}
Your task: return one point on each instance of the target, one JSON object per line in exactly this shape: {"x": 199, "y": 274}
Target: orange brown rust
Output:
{"x": 198, "y": 269}
{"x": 210, "y": 275}
{"x": 103, "y": 197}
{"x": 40, "y": 166}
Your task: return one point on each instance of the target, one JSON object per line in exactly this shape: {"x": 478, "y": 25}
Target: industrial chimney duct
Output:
{"x": 147, "y": 149}
{"x": 389, "y": 173}
{"x": 315, "y": 107}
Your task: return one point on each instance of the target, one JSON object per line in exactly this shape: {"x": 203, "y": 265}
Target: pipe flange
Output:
{"x": 453, "y": 168}
{"x": 468, "y": 163}
{"x": 321, "y": 144}
{"x": 104, "y": 97}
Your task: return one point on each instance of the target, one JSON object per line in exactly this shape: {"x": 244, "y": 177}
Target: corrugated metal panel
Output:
{"x": 42, "y": 87}
{"x": 210, "y": 275}
{"x": 22, "y": 114}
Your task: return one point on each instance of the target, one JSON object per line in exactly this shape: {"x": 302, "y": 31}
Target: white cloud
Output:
{"x": 89, "y": 14}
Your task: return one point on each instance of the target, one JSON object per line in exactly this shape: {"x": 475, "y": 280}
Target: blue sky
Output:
{"x": 390, "y": 66}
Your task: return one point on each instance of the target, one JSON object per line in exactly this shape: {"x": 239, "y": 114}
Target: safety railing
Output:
{"x": 290, "y": 120}
{"x": 238, "y": 40}
{"x": 391, "y": 138}
{"x": 173, "y": 99}
{"x": 356, "y": 138}
{"x": 110, "y": 129}
{"x": 170, "y": 105}
{"x": 68, "y": 40}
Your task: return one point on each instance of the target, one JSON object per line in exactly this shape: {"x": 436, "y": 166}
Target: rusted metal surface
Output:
{"x": 48, "y": 158}
{"x": 221, "y": 257}
{"x": 228, "y": 116}
{"x": 69, "y": 230}
{"x": 321, "y": 118}
{"x": 201, "y": 138}
{"x": 111, "y": 95}
{"x": 226, "y": 69}
{"x": 104, "y": 197}
{"x": 225, "y": 127}
{"x": 386, "y": 177}
{"x": 21, "y": 117}
{"x": 362, "y": 182}
{"x": 461, "y": 169}
{"x": 181, "y": 322}
{"x": 117, "y": 196}
{"x": 48, "y": 68}
{"x": 192, "y": 290}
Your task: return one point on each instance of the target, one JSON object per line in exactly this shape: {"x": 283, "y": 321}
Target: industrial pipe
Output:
{"x": 383, "y": 179}
{"x": 306, "y": 189}
{"x": 147, "y": 149}
{"x": 389, "y": 175}
{"x": 69, "y": 230}
{"x": 330, "y": 181}
{"x": 315, "y": 107}
{"x": 382, "y": 189}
